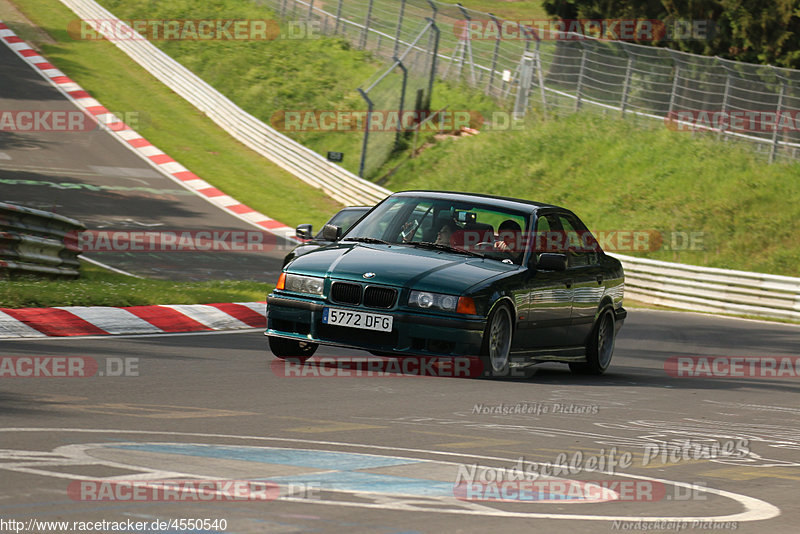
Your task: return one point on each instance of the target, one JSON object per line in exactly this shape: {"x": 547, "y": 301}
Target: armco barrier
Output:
{"x": 302, "y": 162}
{"x": 38, "y": 242}
{"x": 711, "y": 290}
{"x": 656, "y": 282}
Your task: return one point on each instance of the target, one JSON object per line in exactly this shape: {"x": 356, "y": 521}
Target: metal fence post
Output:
{"x": 434, "y": 57}
{"x": 626, "y": 85}
{"x": 525, "y": 77}
{"x": 778, "y": 112}
{"x": 402, "y": 100}
{"x": 725, "y": 96}
{"x": 310, "y": 10}
{"x": 726, "y": 91}
{"x": 283, "y": 9}
{"x": 494, "y": 55}
{"x": 540, "y": 75}
{"x": 366, "y": 132}
{"x": 674, "y": 91}
{"x": 463, "y": 48}
{"x": 366, "y": 25}
{"x": 338, "y": 17}
{"x": 580, "y": 78}
{"x": 434, "y": 9}
{"x": 399, "y": 27}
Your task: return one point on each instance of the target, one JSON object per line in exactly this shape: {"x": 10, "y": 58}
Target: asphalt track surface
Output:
{"x": 381, "y": 453}
{"x": 63, "y": 172}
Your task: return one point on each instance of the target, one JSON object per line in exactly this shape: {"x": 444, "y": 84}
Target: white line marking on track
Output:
{"x": 755, "y": 509}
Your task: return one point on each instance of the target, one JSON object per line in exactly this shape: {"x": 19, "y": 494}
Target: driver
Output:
{"x": 445, "y": 233}
{"x": 509, "y": 234}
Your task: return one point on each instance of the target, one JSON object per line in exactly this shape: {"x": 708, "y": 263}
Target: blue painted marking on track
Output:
{"x": 301, "y": 458}
{"x": 344, "y": 469}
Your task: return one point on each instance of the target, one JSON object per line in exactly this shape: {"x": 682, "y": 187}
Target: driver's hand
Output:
{"x": 407, "y": 231}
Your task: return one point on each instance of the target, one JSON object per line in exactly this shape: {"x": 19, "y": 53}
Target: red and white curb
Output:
{"x": 103, "y": 321}
{"x": 137, "y": 143}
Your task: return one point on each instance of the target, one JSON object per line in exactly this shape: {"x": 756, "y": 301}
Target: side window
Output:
{"x": 547, "y": 236}
{"x": 380, "y": 225}
{"x": 577, "y": 242}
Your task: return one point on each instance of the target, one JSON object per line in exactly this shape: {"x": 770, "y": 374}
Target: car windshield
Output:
{"x": 472, "y": 227}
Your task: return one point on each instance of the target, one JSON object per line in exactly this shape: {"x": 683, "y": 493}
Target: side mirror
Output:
{"x": 331, "y": 232}
{"x": 304, "y": 231}
{"x": 552, "y": 262}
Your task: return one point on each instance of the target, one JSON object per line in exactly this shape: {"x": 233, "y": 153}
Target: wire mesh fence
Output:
{"x": 563, "y": 72}
{"x": 398, "y": 99}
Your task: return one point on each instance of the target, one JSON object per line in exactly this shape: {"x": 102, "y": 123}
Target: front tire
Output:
{"x": 290, "y": 349}
{"x": 600, "y": 347}
{"x": 496, "y": 351}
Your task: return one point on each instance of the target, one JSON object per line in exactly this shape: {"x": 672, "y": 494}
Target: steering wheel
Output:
{"x": 484, "y": 245}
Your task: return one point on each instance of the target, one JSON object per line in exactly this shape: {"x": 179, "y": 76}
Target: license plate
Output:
{"x": 357, "y": 319}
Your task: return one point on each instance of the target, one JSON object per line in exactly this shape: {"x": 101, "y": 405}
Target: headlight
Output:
{"x": 427, "y": 300}
{"x": 304, "y": 284}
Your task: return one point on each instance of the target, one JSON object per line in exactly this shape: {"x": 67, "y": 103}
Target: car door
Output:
{"x": 586, "y": 274}
{"x": 546, "y": 317}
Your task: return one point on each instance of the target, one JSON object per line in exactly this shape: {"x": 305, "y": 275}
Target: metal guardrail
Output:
{"x": 650, "y": 281}
{"x": 302, "y": 162}
{"x": 38, "y": 242}
{"x": 709, "y": 289}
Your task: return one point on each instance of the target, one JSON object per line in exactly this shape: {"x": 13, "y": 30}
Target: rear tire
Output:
{"x": 600, "y": 347}
{"x": 290, "y": 349}
{"x": 496, "y": 351}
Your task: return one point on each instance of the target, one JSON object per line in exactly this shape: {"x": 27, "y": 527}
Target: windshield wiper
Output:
{"x": 448, "y": 248}
{"x": 372, "y": 240}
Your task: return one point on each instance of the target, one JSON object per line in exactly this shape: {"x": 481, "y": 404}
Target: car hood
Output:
{"x": 401, "y": 266}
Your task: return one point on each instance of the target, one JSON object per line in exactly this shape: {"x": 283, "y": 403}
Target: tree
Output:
{"x": 746, "y": 30}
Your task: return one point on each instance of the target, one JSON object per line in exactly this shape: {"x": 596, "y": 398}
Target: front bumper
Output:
{"x": 412, "y": 333}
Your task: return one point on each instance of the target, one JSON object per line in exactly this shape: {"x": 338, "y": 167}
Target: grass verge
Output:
{"x": 98, "y": 287}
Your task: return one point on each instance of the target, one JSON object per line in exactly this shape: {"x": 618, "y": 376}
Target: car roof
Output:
{"x": 503, "y": 202}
